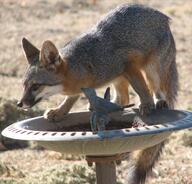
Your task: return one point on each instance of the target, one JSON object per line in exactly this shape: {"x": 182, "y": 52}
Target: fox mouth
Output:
{"x": 36, "y": 101}
{"x": 28, "y": 105}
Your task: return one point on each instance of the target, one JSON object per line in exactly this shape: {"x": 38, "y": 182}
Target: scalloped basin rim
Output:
{"x": 21, "y": 130}
{"x": 102, "y": 143}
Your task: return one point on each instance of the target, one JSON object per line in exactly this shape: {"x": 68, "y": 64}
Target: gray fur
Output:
{"x": 31, "y": 52}
{"x": 168, "y": 59}
{"x": 42, "y": 75}
{"x": 106, "y": 46}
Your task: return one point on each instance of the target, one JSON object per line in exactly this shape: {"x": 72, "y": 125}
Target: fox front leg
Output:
{"x": 57, "y": 114}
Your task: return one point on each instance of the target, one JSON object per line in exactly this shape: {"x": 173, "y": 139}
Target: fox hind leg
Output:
{"x": 152, "y": 72}
{"x": 137, "y": 81}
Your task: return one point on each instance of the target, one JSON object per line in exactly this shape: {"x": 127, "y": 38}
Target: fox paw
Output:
{"x": 137, "y": 122}
{"x": 146, "y": 108}
{"x": 53, "y": 115}
{"x": 162, "y": 104}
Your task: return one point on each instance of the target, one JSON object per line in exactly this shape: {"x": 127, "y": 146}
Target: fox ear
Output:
{"x": 50, "y": 57}
{"x": 31, "y": 52}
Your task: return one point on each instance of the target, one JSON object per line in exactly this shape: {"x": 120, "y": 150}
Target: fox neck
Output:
{"x": 76, "y": 78}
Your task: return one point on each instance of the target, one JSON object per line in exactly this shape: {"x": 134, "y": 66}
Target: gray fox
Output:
{"x": 131, "y": 45}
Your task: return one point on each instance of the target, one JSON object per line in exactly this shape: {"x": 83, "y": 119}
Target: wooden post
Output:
{"x": 106, "y": 173}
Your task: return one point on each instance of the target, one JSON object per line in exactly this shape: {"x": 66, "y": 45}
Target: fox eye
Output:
{"x": 35, "y": 87}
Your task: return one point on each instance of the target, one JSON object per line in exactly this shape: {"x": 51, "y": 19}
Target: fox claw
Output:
{"x": 53, "y": 115}
{"x": 146, "y": 108}
{"x": 162, "y": 104}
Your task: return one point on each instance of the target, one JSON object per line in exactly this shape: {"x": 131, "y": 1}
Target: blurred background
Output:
{"x": 61, "y": 21}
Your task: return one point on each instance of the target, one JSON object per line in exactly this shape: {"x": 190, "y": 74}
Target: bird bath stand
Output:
{"x": 105, "y": 148}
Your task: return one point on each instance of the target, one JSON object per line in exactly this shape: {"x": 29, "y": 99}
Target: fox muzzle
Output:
{"x": 27, "y": 100}
{"x": 28, "y": 103}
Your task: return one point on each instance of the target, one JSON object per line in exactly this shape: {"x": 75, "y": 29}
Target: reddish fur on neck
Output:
{"x": 72, "y": 83}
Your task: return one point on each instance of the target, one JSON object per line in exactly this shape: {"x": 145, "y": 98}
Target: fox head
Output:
{"x": 44, "y": 76}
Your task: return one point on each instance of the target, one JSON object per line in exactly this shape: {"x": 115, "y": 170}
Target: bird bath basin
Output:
{"x": 73, "y": 135}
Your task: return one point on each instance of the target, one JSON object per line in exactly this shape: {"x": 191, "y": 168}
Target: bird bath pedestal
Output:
{"x": 73, "y": 135}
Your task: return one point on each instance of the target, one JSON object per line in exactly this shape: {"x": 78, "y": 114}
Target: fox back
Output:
{"x": 104, "y": 49}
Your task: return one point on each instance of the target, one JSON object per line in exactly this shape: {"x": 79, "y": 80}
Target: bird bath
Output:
{"x": 73, "y": 135}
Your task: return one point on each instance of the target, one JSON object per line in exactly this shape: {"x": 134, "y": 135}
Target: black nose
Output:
{"x": 19, "y": 104}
